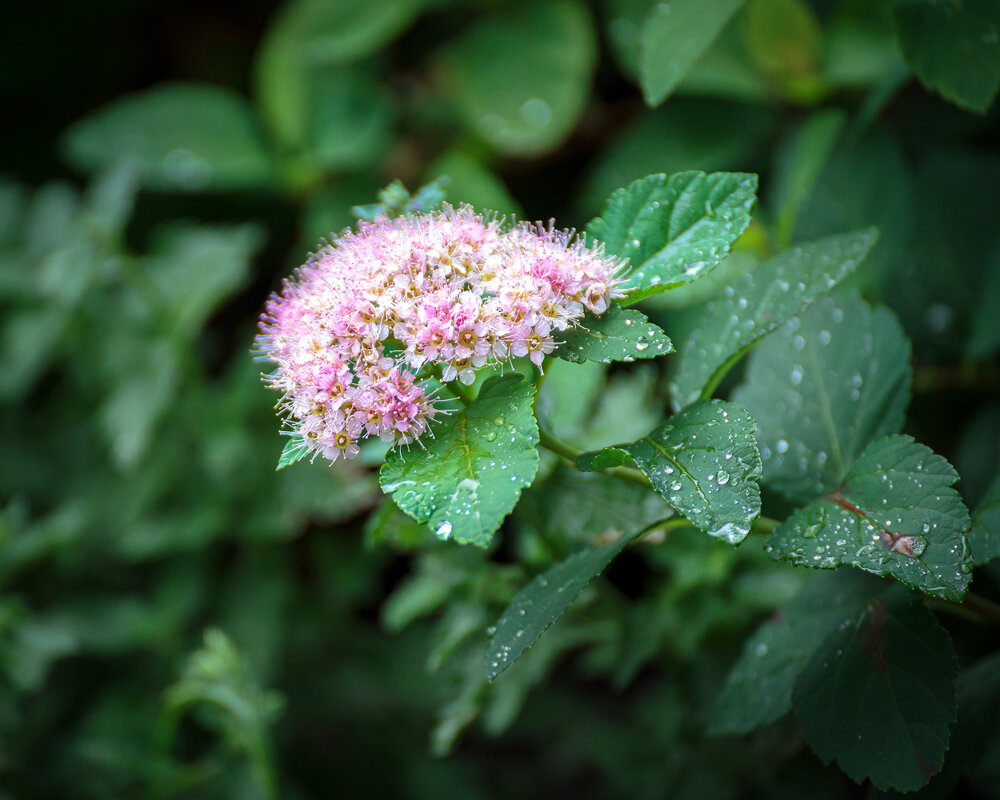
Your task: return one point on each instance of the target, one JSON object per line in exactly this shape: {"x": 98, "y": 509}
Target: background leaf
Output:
{"x": 674, "y": 228}
{"x": 473, "y": 469}
{"x": 618, "y": 335}
{"x": 759, "y": 303}
{"x": 821, "y": 388}
{"x": 984, "y": 537}
{"x": 879, "y": 694}
{"x": 672, "y": 38}
{"x": 954, "y": 47}
{"x": 703, "y": 461}
{"x": 520, "y": 79}
{"x": 183, "y": 136}
{"x": 895, "y": 514}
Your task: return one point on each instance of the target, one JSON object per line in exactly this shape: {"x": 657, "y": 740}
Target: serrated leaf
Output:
{"x": 954, "y": 47}
{"x": 672, "y": 38}
{"x": 703, "y": 461}
{"x": 758, "y": 689}
{"x": 472, "y": 471}
{"x": 619, "y": 335}
{"x": 521, "y": 78}
{"x": 182, "y": 136}
{"x": 984, "y": 538}
{"x": 821, "y": 388}
{"x": 895, "y": 514}
{"x": 759, "y": 303}
{"x": 543, "y": 601}
{"x": 294, "y": 450}
{"x": 674, "y": 228}
{"x": 879, "y": 695}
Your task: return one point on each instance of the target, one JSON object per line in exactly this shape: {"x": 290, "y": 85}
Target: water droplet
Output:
{"x": 795, "y": 376}
{"x": 781, "y": 446}
{"x": 443, "y": 531}
{"x": 536, "y": 112}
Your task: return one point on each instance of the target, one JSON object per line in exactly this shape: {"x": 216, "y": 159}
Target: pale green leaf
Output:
{"x": 618, "y": 335}
{"x": 474, "y": 467}
{"x": 674, "y": 228}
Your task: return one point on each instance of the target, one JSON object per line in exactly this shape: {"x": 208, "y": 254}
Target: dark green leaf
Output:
{"x": 472, "y": 471}
{"x": 182, "y": 136}
{"x": 821, "y": 388}
{"x": 879, "y": 694}
{"x": 954, "y": 47}
{"x": 895, "y": 514}
{"x": 758, "y": 690}
{"x": 672, "y": 38}
{"x": 543, "y": 601}
{"x": 759, "y": 303}
{"x": 471, "y": 181}
{"x": 703, "y": 461}
{"x": 674, "y": 228}
{"x": 619, "y": 335}
{"x": 984, "y": 538}
{"x": 521, "y": 78}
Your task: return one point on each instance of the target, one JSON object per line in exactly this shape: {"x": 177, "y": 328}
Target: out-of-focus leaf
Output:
{"x": 671, "y": 39}
{"x": 895, "y": 514}
{"x": 674, "y": 228}
{"x": 984, "y": 538}
{"x": 954, "y": 47}
{"x": 985, "y": 335}
{"x": 784, "y": 39}
{"x": 543, "y": 601}
{"x": 186, "y": 137}
{"x": 472, "y": 472}
{"x": 726, "y": 69}
{"x": 821, "y": 388}
{"x": 470, "y": 181}
{"x": 758, "y": 689}
{"x": 759, "y": 303}
{"x": 879, "y": 695}
{"x": 703, "y": 461}
{"x": 520, "y": 78}
{"x": 618, "y": 335}
{"x": 306, "y": 41}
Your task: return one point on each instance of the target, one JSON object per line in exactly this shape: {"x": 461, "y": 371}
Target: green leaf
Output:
{"x": 954, "y": 47}
{"x": 294, "y": 450}
{"x": 703, "y": 461}
{"x": 470, "y": 181}
{"x": 674, "y": 228}
{"x": 758, "y": 689}
{"x": 879, "y": 694}
{"x": 984, "y": 337}
{"x": 759, "y": 303}
{"x": 619, "y": 335}
{"x": 543, "y": 601}
{"x": 187, "y": 137}
{"x": 984, "y": 538}
{"x": 672, "y": 38}
{"x": 305, "y": 41}
{"x": 895, "y": 514}
{"x": 784, "y": 40}
{"x": 521, "y": 78}
{"x": 822, "y": 388}
{"x": 473, "y": 469}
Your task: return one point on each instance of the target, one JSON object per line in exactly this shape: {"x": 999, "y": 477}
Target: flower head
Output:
{"x": 442, "y": 294}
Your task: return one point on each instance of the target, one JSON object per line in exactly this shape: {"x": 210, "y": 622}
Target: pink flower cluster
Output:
{"x": 438, "y": 295}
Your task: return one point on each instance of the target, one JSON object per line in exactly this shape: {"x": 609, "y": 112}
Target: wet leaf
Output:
{"x": 186, "y": 137}
{"x": 984, "y": 538}
{"x": 703, "y": 461}
{"x": 954, "y": 47}
{"x": 895, "y": 514}
{"x": 758, "y": 689}
{"x": 674, "y": 228}
{"x": 294, "y": 450}
{"x": 821, "y": 388}
{"x": 759, "y": 303}
{"x": 619, "y": 335}
{"x": 521, "y": 78}
{"x": 672, "y": 38}
{"x": 543, "y": 601}
{"x": 879, "y": 695}
{"x": 472, "y": 471}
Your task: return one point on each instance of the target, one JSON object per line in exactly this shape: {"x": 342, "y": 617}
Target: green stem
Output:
{"x": 982, "y": 608}
{"x": 764, "y": 525}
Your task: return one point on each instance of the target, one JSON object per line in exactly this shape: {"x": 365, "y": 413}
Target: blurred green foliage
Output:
{"x": 178, "y": 619}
